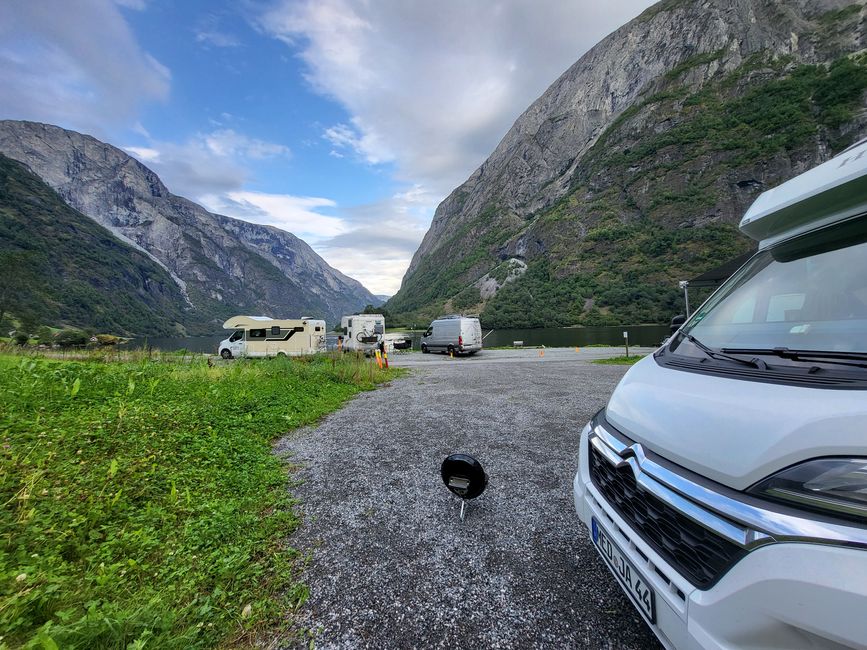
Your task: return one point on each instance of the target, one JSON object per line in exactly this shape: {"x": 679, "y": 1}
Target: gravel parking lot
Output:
{"x": 391, "y": 564}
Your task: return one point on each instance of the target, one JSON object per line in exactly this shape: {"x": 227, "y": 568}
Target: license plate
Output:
{"x": 633, "y": 583}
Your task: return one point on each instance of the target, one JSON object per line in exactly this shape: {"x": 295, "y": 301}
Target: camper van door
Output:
{"x": 236, "y": 343}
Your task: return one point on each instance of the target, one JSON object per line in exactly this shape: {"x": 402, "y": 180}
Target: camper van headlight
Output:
{"x": 834, "y": 486}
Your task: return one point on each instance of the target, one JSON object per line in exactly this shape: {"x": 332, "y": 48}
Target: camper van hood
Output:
{"x": 691, "y": 419}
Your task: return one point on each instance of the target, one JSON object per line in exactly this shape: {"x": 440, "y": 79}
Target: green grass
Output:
{"x": 620, "y": 361}
{"x": 142, "y": 503}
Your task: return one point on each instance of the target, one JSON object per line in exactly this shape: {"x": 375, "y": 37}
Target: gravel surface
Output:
{"x": 391, "y": 564}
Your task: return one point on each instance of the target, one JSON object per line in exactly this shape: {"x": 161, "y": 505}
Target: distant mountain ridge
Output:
{"x": 631, "y": 171}
{"x": 221, "y": 266}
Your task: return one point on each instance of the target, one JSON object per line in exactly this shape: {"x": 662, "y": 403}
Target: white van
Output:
{"x": 362, "y": 332}
{"x": 453, "y": 334}
{"x": 261, "y": 336}
{"x": 725, "y": 483}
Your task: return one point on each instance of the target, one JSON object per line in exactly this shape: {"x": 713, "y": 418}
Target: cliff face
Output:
{"x": 223, "y": 266}
{"x": 650, "y": 137}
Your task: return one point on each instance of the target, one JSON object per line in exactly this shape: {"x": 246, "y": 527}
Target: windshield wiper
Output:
{"x": 835, "y": 357}
{"x": 714, "y": 354}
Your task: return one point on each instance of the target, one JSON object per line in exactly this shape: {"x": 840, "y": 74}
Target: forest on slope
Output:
{"x": 58, "y": 266}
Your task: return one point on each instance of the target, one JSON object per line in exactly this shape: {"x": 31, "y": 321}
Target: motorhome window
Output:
{"x": 299, "y": 329}
{"x": 275, "y": 330}
{"x": 349, "y": 323}
{"x": 317, "y": 329}
{"x": 816, "y": 301}
{"x": 378, "y": 327}
{"x": 256, "y": 334}
{"x": 236, "y": 336}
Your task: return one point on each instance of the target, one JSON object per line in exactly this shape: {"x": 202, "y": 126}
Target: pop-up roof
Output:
{"x": 833, "y": 191}
{"x": 253, "y": 322}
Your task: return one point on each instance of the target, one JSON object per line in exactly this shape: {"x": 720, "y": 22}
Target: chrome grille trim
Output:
{"x": 718, "y": 525}
{"x": 740, "y": 522}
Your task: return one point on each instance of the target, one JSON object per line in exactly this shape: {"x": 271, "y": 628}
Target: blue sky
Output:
{"x": 343, "y": 121}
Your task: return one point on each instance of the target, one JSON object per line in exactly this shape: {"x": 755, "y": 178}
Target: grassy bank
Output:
{"x": 620, "y": 361}
{"x": 142, "y": 506}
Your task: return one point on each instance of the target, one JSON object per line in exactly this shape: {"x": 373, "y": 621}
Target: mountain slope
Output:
{"x": 224, "y": 266}
{"x": 71, "y": 270}
{"x": 633, "y": 168}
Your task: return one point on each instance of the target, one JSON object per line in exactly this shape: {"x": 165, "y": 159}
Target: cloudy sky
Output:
{"x": 343, "y": 121}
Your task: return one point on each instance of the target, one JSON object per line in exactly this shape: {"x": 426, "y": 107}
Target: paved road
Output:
{"x": 416, "y": 359}
{"x": 393, "y": 567}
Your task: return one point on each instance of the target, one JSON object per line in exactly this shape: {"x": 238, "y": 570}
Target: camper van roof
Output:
{"x": 241, "y": 322}
{"x": 831, "y": 192}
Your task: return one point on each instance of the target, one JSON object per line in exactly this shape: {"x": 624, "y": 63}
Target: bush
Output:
{"x": 70, "y": 337}
{"x": 21, "y": 338}
{"x": 107, "y": 339}
{"x": 45, "y": 335}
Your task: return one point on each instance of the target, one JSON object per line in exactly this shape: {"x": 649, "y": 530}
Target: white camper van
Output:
{"x": 453, "y": 334}
{"x": 725, "y": 483}
{"x": 362, "y": 332}
{"x": 260, "y": 336}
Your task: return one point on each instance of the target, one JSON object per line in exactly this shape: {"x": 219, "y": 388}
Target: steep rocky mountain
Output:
{"x": 222, "y": 266}
{"x": 632, "y": 170}
{"x": 58, "y": 266}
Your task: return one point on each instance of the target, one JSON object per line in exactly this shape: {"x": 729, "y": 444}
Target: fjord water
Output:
{"x": 552, "y": 337}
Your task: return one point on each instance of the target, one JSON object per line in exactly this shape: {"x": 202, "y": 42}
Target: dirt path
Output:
{"x": 393, "y": 567}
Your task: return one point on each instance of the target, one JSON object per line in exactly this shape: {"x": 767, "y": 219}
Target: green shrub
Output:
{"x": 71, "y": 338}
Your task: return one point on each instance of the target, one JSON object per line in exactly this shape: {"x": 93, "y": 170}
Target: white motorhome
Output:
{"x": 362, "y": 332}
{"x": 453, "y": 334}
{"x": 725, "y": 483}
{"x": 260, "y": 336}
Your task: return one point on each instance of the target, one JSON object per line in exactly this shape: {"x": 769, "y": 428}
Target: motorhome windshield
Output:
{"x": 808, "y": 295}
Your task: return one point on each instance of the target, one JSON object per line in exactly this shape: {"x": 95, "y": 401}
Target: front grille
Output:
{"x": 698, "y": 554}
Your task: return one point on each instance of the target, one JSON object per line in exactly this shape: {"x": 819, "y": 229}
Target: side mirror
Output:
{"x": 676, "y": 322}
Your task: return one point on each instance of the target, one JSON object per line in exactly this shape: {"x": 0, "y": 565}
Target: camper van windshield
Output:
{"x": 236, "y": 336}
{"x": 809, "y": 295}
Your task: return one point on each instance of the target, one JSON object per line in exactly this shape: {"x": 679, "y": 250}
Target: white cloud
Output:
{"x": 434, "y": 86}
{"x": 217, "y": 39}
{"x": 144, "y": 154}
{"x": 228, "y": 143}
{"x": 297, "y": 214}
{"x": 380, "y": 239}
{"x": 210, "y": 33}
{"x": 82, "y": 68}
{"x": 365, "y": 143}
{"x": 208, "y": 164}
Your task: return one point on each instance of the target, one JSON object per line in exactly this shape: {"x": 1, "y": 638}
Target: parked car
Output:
{"x": 453, "y": 334}
{"x": 725, "y": 483}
